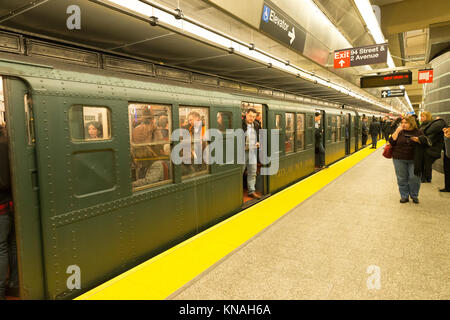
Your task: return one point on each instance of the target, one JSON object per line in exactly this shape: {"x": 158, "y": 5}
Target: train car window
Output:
{"x": 196, "y": 121}
{"x": 150, "y": 129}
{"x": 300, "y": 133}
{"x": 289, "y": 133}
{"x": 333, "y": 129}
{"x": 339, "y": 129}
{"x": 29, "y": 118}
{"x": 278, "y": 121}
{"x": 257, "y": 106}
{"x": 89, "y": 123}
{"x": 224, "y": 121}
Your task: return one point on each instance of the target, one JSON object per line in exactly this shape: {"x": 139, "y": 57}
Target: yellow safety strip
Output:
{"x": 162, "y": 275}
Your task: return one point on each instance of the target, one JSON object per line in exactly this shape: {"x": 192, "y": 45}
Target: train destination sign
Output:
{"x": 360, "y": 56}
{"x": 281, "y": 27}
{"x": 388, "y": 80}
{"x": 393, "y": 93}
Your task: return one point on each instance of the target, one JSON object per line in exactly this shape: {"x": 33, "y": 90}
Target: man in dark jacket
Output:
{"x": 374, "y": 130}
{"x": 318, "y": 134}
{"x": 387, "y": 128}
{"x": 365, "y": 131}
{"x": 433, "y": 142}
{"x": 251, "y": 130}
{"x": 8, "y": 259}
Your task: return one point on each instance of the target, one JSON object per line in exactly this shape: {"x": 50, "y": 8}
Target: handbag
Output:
{"x": 387, "y": 152}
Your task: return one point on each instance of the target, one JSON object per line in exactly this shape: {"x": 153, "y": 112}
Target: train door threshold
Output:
{"x": 252, "y": 202}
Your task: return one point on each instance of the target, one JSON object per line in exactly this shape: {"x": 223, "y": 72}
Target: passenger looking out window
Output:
{"x": 195, "y": 120}
{"x": 150, "y": 129}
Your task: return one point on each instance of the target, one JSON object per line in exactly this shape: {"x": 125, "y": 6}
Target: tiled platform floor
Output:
{"x": 323, "y": 248}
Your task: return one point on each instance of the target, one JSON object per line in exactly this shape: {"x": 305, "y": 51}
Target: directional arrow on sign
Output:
{"x": 342, "y": 62}
{"x": 384, "y": 94}
{"x": 291, "y": 35}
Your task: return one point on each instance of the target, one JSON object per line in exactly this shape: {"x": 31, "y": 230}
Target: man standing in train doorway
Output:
{"x": 251, "y": 130}
{"x": 8, "y": 251}
{"x": 319, "y": 149}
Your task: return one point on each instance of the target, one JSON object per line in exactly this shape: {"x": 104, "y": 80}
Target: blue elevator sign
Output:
{"x": 266, "y": 13}
{"x": 281, "y": 27}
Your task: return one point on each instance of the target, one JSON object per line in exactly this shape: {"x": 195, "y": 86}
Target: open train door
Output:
{"x": 261, "y": 184}
{"x": 24, "y": 181}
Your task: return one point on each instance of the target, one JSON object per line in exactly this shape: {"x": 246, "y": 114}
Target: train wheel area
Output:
{"x": 161, "y": 276}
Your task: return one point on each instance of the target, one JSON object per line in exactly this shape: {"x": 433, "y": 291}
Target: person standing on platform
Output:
{"x": 432, "y": 143}
{"x": 446, "y": 159}
{"x": 251, "y": 130}
{"x": 365, "y": 131}
{"x": 374, "y": 131}
{"x": 8, "y": 248}
{"x": 403, "y": 148}
{"x": 318, "y": 134}
{"x": 387, "y": 128}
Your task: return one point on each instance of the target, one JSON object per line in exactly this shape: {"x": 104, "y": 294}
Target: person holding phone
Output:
{"x": 403, "y": 148}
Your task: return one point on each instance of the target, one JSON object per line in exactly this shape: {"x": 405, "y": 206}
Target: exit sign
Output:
{"x": 426, "y": 76}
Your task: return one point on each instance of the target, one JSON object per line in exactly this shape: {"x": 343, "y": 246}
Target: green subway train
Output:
{"x": 80, "y": 151}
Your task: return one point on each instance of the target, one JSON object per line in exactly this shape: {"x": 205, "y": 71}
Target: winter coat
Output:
{"x": 433, "y": 134}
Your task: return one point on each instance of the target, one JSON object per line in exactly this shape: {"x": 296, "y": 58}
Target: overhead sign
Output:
{"x": 360, "y": 56}
{"x": 426, "y": 76}
{"x": 281, "y": 27}
{"x": 389, "y": 80}
{"x": 393, "y": 93}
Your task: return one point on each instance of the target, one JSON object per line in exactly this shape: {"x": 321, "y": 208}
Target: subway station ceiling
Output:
{"x": 116, "y": 32}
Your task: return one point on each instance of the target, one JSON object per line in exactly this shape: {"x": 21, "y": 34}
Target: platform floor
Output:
{"x": 323, "y": 248}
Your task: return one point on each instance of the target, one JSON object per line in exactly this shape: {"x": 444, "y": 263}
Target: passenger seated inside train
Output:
{"x": 94, "y": 129}
{"x": 159, "y": 169}
{"x": 9, "y": 280}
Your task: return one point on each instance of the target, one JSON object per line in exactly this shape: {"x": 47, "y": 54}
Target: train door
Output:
{"x": 358, "y": 132}
{"x": 259, "y": 183}
{"x": 347, "y": 133}
{"x": 18, "y": 116}
{"x": 320, "y": 131}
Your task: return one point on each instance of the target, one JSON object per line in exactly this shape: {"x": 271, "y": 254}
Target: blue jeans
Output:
{"x": 8, "y": 253}
{"x": 374, "y": 140}
{"x": 408, "y": 182}
{"x": 251, "y": 170}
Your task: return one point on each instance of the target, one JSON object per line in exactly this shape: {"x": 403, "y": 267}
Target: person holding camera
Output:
{"x": 403, "y": 148}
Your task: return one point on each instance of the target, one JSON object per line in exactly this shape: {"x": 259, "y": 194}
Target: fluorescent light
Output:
{"x": 188, "y": 27}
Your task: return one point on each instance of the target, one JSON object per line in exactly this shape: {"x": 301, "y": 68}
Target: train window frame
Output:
{"x": 278, "y": 122}
{"x": 230, "y": 117}
{"x": 339, "y": 128}
{"x": 289, "y": 133}
{"x": 333, "y": 129}
{"x": 166, "y": 167}
{"x": 205, "y": 143}
{"x": 297, "y": 131}
{"x": 85, "y": 123}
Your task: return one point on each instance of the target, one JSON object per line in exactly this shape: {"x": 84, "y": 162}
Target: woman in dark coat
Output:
{"x": 432, "y": 143}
